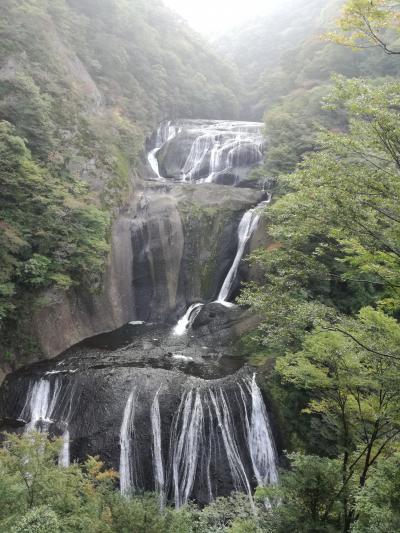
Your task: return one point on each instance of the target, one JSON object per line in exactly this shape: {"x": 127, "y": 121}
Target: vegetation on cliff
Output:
{"x": 330, "y": 300}
{"x": 82, "y": 83}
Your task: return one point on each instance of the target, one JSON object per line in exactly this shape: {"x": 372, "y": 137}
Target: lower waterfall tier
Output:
{"x": 169, "y": 414}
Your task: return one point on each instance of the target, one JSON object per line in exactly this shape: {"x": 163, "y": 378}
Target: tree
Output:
{"x": 336, "y": 231}
{"x": 38, "y": 520}
{"x": 50, "y": 232}
{"x": 369, "y": 23}
{"x": 330, "y": 300}
{"x": 305, "y": 499}
{"x": 353, "y": 372}
{"x": 378, "y": 505}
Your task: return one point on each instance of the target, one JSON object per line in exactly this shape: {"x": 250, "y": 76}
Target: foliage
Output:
{"x": 281, "y": 55}
{"x": 306, "y": 498}
{"x": 38, "y": 520}
{"x": 378, "y": 504}
{"x": 82, "y": 84}
{"x": 85, "y": 498}
{"x": 366, "y": 24}
{"x": 329, "y": 301}
{"x": 51, "y": 232}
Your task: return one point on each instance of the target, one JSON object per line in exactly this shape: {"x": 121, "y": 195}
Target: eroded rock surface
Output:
{"x": 172, "y": 247}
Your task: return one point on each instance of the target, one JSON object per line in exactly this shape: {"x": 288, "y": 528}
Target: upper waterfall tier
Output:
{"x": 206, "y": 151}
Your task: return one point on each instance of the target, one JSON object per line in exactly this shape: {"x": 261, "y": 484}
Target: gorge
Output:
{"x": 199, "y": 267}
{"x": 165, "y": 397}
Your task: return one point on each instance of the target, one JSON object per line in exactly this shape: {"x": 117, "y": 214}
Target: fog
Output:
{"x": 217, "y": 16}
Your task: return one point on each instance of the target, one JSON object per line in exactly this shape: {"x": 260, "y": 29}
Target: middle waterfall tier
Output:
{"x": 246, "y": 229}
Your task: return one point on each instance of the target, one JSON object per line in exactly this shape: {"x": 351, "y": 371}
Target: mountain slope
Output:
{"x": 82, "y": 83}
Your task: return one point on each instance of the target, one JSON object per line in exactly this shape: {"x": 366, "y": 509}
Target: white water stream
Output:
{"x": 165, "y": 133}
{"x": 211, "y": 428}
{"x": 42, "y": 400}
{"x": 126, "y": 464}
{"x": 187, "y": 320}
{"x": 218, "y": 148}
{"x": 246, "y": 228}
{"x": 158, "y": 462}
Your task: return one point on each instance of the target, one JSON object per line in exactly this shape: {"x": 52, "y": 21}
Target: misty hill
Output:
{"x": 284, "y": 51}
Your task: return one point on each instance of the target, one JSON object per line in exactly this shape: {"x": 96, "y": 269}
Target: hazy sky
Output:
{"x": 209, "y": 16}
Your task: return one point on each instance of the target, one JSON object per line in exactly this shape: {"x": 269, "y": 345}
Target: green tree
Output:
{"x": 305, "y": 499}
{"x": 38, "y": 520}
{"x": 378, "y": 505}
{"x": 366, "y": 23}
{"x": 352, "y": 370}
{"x": 51, "y": 233}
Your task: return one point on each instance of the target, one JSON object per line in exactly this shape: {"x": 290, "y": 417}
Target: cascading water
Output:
{"x": 228, "y": 154}
{"x": 187, "y": 320}
{"x": 186, "y": 442}
{"x": 198, "y": 153}
{"x": 64, "y": 456}
{"x": 225, "y": 424}
{"x": 40, "y": 405}
{"x": 127, "y": 458}
{"x": 187, "y": 438}
{"x": 158, "y": 462}
{"x": 213, "y": 431}
{"x": 260, "y": 438}
{"x": 219, "y": 150}
{"x": 246, "y": 228}
{"x": 165, "y": 133}
{"x": 43, "y": 399}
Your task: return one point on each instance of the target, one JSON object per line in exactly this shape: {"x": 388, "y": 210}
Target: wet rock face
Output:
{"x": 68, "y": 317}
{"x": 214, "y": 151}
{"x": 173, "y": 243}
{"x": 172, "y": 247}
{"x": 169, "y": 416}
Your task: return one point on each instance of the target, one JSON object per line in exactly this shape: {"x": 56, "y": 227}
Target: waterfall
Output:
{"x": 214, "y": 162}
{"x": 219, "y": 440}
{"x": 225, "y": 156}
{"x": 227, "y": 428}
{"x": 158, "y": 463}
{"x": 204, "y": 436}
{"x": 40, "y": 405}
{"x": 42, "y": 401}
{"x": 165, "y": 133}
{"x": 259, "y": 436}
{"x": 196, "y": 158}
{"x": 217, "y": 148}
{"x": 187, "y": 320}
{"x": 187, "y": 442}
{"x": 261, "y": 443}
{"x": 127, "y": 458}
{"x": 246, "y": 228}
{"x": 64, "y": 455}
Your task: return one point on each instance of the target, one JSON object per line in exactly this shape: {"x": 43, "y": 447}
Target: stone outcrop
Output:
{"x": 171, "y": 247}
